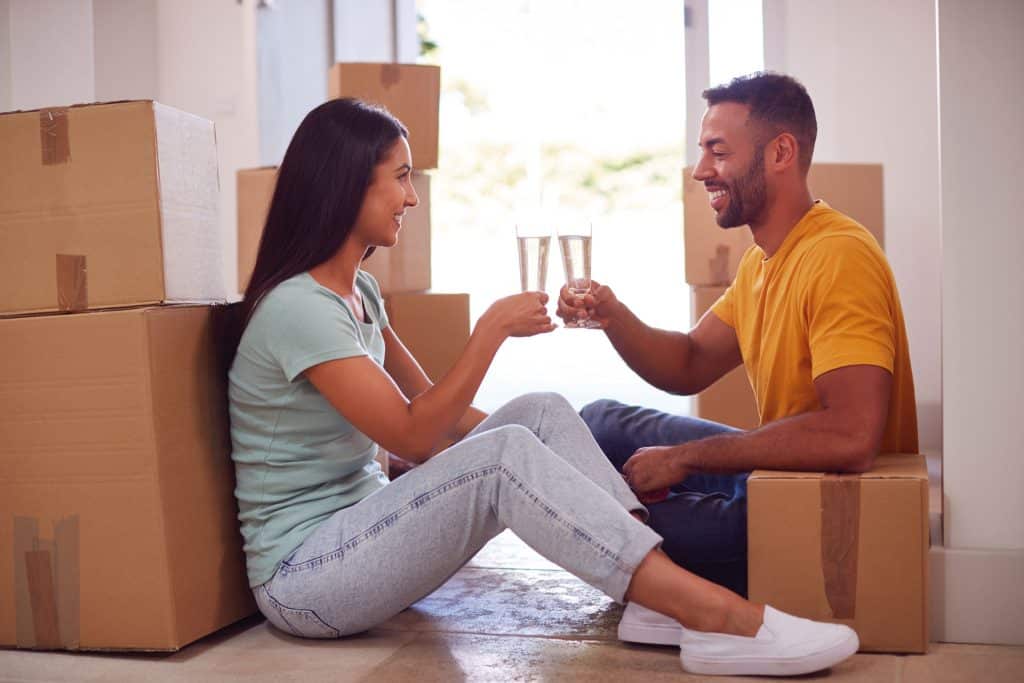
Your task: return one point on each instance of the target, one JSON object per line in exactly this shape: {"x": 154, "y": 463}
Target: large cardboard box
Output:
{"x": 713, "y": 253}
{"x": 402, "y": 268}
{"x": 412, "y": 92}
{"x": 434, "y": 327}
{"x": 731, "y": 399}
{"x": 107, "y": 205}
{"x": 118, "y": 523}
{"x": 845, "y": 548}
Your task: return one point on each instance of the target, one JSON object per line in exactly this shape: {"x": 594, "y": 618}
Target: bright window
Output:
{"x": 576, "y": 105}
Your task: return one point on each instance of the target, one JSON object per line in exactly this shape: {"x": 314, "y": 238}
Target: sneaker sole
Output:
{"x": 780, "y": 666}
{"x": 649, "y": 634}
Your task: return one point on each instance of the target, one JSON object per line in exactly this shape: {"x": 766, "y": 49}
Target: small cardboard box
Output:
{"x": 851, "y": 549}
{"x": 412, "y": 92}
{"x": 118, "y": 522}
{"x": 255, "y": 188}
{"x": 731, "y": 399}
{"x": 404, "y": 267}
{"x": 108, "y": 205}
{"x": 713, "y": 253}
{"x": 434, "y": 327}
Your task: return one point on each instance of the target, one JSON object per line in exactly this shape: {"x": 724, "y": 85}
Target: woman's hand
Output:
{"x": 599, "y": 304}
{"x": 519, "y": 315}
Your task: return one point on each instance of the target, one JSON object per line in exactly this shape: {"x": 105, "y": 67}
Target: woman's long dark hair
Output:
{"x": 320, "y": 188}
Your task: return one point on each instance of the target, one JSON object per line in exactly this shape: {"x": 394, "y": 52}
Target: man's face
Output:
{"x": 731, "y": 165}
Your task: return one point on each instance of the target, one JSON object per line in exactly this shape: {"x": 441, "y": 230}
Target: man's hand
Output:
{"x": 655, "y": 467}
{"x": 598, "y": 304}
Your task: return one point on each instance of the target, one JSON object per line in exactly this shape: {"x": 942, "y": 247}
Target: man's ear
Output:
{"x": 783, "y": 152}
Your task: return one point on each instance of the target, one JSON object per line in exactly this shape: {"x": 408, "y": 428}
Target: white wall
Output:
{"x": 869, "y": 66}
{"x": 51, "y": 53}
{"x": 125, "y": 49}
{"x": 206, "y": 65}
{"x": 294, "y": 57}
{"x": 363, "y": 31}
{"x": 981, "y": 59}
{"x": 5, "y": 55}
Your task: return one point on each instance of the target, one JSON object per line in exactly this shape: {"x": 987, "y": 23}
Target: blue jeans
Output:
{"x": 532, "y": 467}
{"x": 704, "y": 520}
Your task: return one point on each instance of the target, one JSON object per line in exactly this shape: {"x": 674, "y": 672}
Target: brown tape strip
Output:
{"x": 72, "y": 283}
{"x": 46, "y": 584}
{"x": 39, "y": 570}
{"x": 840, "y": 532}
{"x": 54, "y": 136}
{"x": 390, "y": 74}
{"x": 26, "y": 535}
{"x": 66, "y": 580}
{"x": 719, "y": 265}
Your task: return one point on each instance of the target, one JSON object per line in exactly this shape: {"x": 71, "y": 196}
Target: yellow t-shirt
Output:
{"x": 825, "y": 300}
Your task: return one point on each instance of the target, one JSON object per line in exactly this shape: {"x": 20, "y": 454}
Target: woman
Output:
{"x": 320, "y": 378}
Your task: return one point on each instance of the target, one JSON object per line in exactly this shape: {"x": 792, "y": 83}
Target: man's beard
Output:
{"x": 747, "y": 195}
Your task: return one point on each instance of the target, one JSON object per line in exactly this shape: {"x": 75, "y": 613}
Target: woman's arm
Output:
{"x": 413, "y": 381}
{"x": 368, "y": 397}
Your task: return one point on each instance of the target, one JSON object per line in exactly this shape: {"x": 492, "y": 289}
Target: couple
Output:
{"x": 319, "y": 379}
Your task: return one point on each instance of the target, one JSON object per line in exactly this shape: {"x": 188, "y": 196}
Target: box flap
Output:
{"x": 887, "y": 466}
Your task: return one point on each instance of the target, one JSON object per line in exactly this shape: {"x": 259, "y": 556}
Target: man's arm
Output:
{"x": 843, "y": 436}
{"x": 675, "y": 362}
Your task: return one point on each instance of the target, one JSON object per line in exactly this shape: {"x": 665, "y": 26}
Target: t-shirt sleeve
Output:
{"x": 376, "y": 299}
{"x": 849, "y": 304}
{"x": 725, "y": 307}
{"x": 306, "y": 328}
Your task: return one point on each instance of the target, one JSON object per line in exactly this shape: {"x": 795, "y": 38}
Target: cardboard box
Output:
{"x": 402, "y": 268}
{"x": 255, "y": 188}
{"x": 108, "y": 205}
{"x": 412, "y": 92}
{"x": 845, "y": 548}
{"x": 731, "y": 399}
{"x": 713, "y": 253}
{"x": 434, "y": 327}
{"x": 118, "y": 522}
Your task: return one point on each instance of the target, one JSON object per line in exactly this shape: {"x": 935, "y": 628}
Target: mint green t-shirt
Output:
{"x": 297, "y": 460}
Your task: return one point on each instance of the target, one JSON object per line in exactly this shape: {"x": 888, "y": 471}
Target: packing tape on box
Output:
{"x": 840, "y": 537}
{"x": 46, "y": 584}
{"x": 54, "y": 136}
{"x": 390, "y": 75}
{"x": 72, "y": 283}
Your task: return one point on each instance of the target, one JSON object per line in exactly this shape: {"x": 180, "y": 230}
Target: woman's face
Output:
{"x": 389, "y": 195}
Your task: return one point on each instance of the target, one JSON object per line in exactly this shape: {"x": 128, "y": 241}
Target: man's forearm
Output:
{"x": 660, "y": 357}
{"x": 815, "y": 441}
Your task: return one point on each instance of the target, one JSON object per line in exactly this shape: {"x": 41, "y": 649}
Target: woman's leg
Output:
{"x": 556, "y": 424}
{"x": 368, "y": 562}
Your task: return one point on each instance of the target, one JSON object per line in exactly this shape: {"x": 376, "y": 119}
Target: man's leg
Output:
{"x": 704, "y": 520}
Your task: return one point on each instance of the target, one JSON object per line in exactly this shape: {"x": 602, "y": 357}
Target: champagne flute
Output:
{"x": 534, "y": 241}
{"x": 574, "y": 241}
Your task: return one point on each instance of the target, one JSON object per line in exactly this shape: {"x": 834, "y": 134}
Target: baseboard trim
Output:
{"x": 977, "y": 596}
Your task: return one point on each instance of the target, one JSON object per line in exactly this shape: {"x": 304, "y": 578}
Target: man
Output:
{"x": 813, "y": 314}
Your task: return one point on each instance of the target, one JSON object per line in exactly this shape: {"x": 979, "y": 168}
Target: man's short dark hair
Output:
{"x": 778, "y": 103}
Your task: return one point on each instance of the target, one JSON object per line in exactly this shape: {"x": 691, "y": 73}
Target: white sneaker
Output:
{"x": 784, "y": 646}
{"x": 642, "y": 625}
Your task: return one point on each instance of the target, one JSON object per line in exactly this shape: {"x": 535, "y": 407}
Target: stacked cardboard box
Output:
{"x": 851, "y": 549}
{"x": 117, "y": 511}
{"x": 435, "y": 327}
{"x": 713, "y": 255}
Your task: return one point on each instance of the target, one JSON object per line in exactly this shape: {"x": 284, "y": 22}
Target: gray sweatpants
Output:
{"x": 532, "y": 467}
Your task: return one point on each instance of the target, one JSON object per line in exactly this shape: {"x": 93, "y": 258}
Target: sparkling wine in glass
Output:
{"x": 575, "y": 245}
{"x": 533, "y": 258}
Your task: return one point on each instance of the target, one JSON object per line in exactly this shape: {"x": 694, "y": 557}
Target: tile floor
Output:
{"x": 510, "y": 615}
